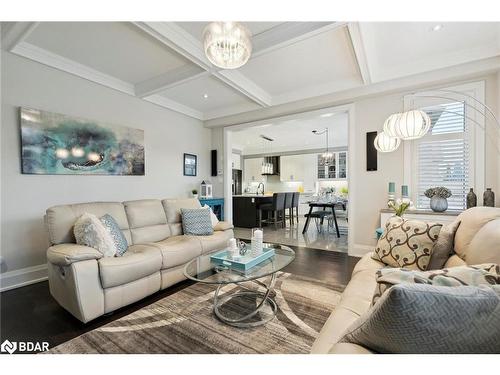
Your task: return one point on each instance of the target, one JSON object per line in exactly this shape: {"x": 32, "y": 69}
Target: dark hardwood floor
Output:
{"x": 31, "y": 314}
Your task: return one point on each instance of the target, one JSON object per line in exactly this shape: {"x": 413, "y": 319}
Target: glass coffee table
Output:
{"x": 247, "y": 307}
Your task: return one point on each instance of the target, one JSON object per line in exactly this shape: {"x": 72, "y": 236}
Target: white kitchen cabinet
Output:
{"x": 292, "y": 168}
{"x": 252, "y": 170}
{"x": 236, "y": 161}
{"x": 338, "y": 170}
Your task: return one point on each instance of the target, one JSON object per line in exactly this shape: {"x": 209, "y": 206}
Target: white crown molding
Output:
{"x": 437, "y": 77}
{"x": 59, "y": 62}
{"x": 22, "y": 277}
{"x": 359, "y": 51}
{"x": 16, "y": 34}
{"x": 175, "y": 106}
{"x": 69, "y": 66}
{"x": 169, "y": 79}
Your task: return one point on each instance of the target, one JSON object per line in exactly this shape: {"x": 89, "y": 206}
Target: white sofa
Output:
{"x": 477, "y": 241}
{"x": 89, "y": 285}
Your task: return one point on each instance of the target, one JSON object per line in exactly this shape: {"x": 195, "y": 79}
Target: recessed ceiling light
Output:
{"x": 437, "y": 27}
{"x": 205, "y": 96}
{"x": 326, "y": 115}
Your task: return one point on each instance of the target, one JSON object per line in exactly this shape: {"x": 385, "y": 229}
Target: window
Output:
{"x": 443, "y": 157}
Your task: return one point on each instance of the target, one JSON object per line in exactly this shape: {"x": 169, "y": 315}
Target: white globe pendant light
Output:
{"x": 386, "y": 143}
{"x": 408, "y": 125}
{"x": 227, "y": 44}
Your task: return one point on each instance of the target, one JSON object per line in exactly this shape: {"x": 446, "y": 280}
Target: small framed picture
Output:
{"x": 190, "y": 164}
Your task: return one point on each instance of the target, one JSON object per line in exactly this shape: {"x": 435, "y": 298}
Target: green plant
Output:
{"x": 439, "y": 191}
{"x": 194, "y": 191}
{"x": 344, "y": 190}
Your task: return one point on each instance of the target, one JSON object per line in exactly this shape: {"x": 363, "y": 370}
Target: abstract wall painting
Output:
{"x": 53, "y": 143}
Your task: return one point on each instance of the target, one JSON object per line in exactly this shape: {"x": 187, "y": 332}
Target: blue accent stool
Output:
{"x": 217, "y": 205}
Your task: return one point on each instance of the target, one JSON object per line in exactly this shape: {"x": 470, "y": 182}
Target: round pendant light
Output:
{"x": 408, "y": 125}
{"x": 386, "y": 143}
{"x": 227, "y": 44}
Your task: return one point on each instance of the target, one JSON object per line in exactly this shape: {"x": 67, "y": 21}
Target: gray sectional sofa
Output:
{"x": 89, "y": 285}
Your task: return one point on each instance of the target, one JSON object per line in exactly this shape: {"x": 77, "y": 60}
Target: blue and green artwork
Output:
{"x": 52, "y": 143}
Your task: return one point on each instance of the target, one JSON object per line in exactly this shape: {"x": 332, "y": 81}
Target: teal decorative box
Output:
{"x": 243, "y": 263}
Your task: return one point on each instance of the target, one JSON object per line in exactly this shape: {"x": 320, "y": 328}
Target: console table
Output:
{"x": 216, "y": 204}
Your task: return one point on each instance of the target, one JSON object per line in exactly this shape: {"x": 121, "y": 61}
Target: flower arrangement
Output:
{"x": 439, "y": 191}
{"x": 194, "y": 192}
{"x": 400, "y": 206}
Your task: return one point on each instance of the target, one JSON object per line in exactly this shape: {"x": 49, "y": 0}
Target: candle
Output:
{"x": 258, "y": 233}
{"x": 404, "y": 191}
{"x": 392, "y": 187}
{"x": 232, "y": 243}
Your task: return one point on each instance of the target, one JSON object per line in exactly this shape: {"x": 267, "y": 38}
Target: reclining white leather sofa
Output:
{"x": 89, "y": 285}
{"x": 477, "y": 241}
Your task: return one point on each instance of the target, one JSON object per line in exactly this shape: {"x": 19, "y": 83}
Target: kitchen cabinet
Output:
{"x": 236, "y": 161}
{"x": 337, "y": 170}
{"x": 252, "y": 169}
{"x": 292, "y": 168}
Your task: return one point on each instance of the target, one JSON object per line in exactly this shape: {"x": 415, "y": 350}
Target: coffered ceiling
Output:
{"x": 164, "y": 62}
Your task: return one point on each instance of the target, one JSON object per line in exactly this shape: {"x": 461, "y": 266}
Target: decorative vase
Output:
{"x": 195, "y": 196}
{"x": 471, "y": 199}
{"x": 489, "y": 198}
{"x": 439, "y": 204}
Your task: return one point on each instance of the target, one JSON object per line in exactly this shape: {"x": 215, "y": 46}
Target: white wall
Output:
{"x": 26, "y": 197}
{"x": 370, "y": 188}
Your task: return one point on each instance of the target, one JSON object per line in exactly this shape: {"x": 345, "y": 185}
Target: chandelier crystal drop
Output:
{"x": 408, "y": 125}
{"x": 386, "y": 143}
{"x": 227, "y": 44}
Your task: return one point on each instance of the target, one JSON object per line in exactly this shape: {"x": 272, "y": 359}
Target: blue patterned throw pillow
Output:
{"x": 196, "y": 221}
{"x": 116, "y": 234}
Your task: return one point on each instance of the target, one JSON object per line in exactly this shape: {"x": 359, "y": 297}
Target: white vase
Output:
{"x": 439, "y": 204}
{"x": 195, "y": 196}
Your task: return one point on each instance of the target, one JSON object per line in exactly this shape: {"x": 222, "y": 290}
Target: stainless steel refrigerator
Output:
{"x": 236, "y": 178}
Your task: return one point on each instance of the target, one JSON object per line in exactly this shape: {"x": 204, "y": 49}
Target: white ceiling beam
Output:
{"x": 289, "y": 33}
{"x": 168, "y": 80}
{"x": 359, "y": 51}
{"x": 53, "y": 60}
{"x": 171, "y": 104}
{"x": 178, "y": 39}
{"x": 16, "y": 33}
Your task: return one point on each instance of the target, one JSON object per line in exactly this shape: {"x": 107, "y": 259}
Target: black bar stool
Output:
{"x": 277, "y": 210}
{"x": 289, "y": 207}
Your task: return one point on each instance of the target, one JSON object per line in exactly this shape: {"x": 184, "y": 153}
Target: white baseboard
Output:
{"x": 22, "y": 277}
{"x": 358, "y": 250}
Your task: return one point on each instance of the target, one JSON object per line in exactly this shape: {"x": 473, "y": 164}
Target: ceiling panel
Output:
{"x": 119, "y": 49}
{"x": 325, "y": 59}
{"x": 196, "y": 28}
{"x": 396, "y": 49}
{"x": 293, "y": 135}
{"x": 220, "y": 96}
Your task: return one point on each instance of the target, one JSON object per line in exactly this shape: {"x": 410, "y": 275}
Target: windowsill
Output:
{"x": 426, "y": 212}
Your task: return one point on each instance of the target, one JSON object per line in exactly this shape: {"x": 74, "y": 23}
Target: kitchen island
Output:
{"x": 245, "y": 209}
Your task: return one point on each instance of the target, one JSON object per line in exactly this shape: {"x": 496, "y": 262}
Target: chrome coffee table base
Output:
{"x": 244, "y": 321}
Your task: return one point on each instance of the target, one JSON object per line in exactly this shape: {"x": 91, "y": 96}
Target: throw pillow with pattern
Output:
{"x": 114, "y": 230}
{"x": 481, "y": 274}
{"x": 90, "y": 231}
{"x": 443, "y": 248}
{"x": 407, "y": 243}
{"x": 196, "y": 221}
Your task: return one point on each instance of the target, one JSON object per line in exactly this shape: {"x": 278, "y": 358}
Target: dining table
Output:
{"x": 321, "y": 214}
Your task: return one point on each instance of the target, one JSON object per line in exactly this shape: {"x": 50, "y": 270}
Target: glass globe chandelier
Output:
{"x": 408, "y": 125}
{"x": 386, "y": 143}
{"x": 227, "y": 44}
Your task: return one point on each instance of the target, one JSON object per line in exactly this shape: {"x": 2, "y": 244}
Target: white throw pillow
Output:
{"x": 90, "y": 231}
{"x": 213, "y": 217}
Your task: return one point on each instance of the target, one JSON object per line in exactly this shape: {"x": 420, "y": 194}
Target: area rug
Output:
{"x": 184, "y": 323}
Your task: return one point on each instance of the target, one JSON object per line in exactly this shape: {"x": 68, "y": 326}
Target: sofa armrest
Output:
{"x": 223, "y": 225}
{"x": 68, "y": 253}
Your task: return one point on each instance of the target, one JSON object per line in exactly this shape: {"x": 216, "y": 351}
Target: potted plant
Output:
{"x": 195, "y": 193}
{"x": 438, "y": 196}
{"x": 400, "y": 206}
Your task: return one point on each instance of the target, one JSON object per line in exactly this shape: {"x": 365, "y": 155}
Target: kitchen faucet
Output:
{"x": 258, "y": 188}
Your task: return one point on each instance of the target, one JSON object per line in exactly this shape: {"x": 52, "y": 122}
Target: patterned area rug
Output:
{"x": 184, "y": 323}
